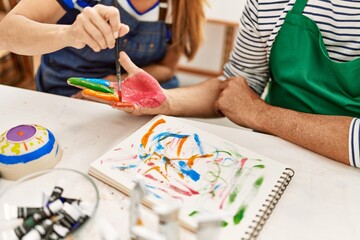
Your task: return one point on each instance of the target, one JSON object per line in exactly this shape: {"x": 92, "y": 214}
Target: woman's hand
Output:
{"x": 98, "y": 27}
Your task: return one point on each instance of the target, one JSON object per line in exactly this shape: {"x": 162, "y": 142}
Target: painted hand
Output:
{"x": 97, "y": 27}
{"x": 238, "y": 102}
{"x": 140, "y": 94}
{"x": 141, "y": 90}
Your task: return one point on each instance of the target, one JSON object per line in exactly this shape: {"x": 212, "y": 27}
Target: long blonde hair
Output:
{"x": 187, "y": 26}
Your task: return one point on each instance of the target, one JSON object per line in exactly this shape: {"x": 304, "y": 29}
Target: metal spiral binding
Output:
{"x": 269, "y": 205}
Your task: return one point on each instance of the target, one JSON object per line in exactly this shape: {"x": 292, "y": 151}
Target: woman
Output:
{"x": 160, "y": 31}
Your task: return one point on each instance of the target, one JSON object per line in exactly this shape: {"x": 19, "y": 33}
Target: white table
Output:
{"x": 321, "y": 202}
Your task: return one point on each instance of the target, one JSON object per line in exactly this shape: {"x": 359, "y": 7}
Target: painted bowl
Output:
{"x": 25, "y": 149}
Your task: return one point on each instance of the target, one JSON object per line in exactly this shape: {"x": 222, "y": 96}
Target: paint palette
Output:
{"x": 27, "y": 148}
{"x": 71, "y": 196}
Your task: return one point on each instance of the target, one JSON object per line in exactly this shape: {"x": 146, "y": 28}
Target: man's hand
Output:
{"x": 97, "y": 27}
{"x": 141, "y": 94}
{"x": 238, "y": 102}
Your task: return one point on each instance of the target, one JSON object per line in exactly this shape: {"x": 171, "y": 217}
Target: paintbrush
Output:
{"x": 117, "y": 62}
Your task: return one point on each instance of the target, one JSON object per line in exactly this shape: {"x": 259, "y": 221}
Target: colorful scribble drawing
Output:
{"x": 206, "y": 173}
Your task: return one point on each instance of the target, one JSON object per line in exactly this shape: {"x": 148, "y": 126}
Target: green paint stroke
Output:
{"x": 239, "y": 215}
{"x": 193, "y": 213}
{"x": 260, "y": 166}
{"x": 259, "y": 182}
{"x": 224, "y": 224}
{"x": 90, "y": 85}
{"x": 233, "y": 195}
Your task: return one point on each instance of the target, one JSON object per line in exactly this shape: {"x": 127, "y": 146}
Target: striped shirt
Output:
{"x": 339, "y": 24}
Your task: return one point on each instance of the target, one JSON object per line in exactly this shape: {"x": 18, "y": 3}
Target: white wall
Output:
{"x": 227, "y": 10}
{"x": 211, "y": 56}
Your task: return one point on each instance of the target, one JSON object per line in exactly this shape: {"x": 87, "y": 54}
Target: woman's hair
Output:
{"x": 187, "y": 26}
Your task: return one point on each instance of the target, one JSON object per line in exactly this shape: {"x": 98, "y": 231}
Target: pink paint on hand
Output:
{"x": 143, "y": 90}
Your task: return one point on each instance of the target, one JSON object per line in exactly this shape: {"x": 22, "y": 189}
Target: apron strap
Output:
{"x": 299, "y": 6}
{"x": 163, "y": 10}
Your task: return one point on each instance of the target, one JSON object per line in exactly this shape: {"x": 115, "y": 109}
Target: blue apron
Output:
{"x": 145, "y": 44}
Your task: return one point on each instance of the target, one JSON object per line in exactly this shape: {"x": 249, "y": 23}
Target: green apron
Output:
{"x": 304, "y": 78}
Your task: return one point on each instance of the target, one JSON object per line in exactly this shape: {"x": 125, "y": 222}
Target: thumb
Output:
{"x": 128, "y": 65}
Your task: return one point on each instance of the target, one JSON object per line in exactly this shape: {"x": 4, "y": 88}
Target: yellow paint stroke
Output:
{"x": 146, "y": 136}
{"x": 2, "y": 139}
{"x": 156, "y": 168}
{"x": 41, "y": 128}
{"x": 16, "y": 148}
{"x": 4, "y": 147}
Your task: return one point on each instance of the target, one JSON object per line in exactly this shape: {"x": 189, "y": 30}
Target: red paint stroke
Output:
{"x": 173, "y": 187}
{"x": 194, "y": 192}
{"x": 156, "y": 168}
{"x": 242, "y": 162}
{"x": 146, "y": 136}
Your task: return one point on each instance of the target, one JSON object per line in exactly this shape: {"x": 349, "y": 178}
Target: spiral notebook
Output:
{"x": 206, "y": 173}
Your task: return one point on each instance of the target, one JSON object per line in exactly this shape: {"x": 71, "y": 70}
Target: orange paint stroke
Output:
{"x": 146, "y": 136}
{"x": 156, "y": 168}
{"x": 182, "y": 141}
{"x": 25, "y": 146}
{"x": 20, "y": 133}
{"x": 192, "y": 159}
{"x": 100, "y": 95}
{"x": 39, "y": 138}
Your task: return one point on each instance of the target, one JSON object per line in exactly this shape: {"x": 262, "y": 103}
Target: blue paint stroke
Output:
{"x": 98, "y": 81}
{"x": 184, "y": 168}
{"x": 125, "y": 167}
{"x": 162, "y": 136}
{"x": 198, "y": 142}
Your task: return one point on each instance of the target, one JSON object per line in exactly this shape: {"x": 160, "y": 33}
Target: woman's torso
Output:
{"x": 146, "y": 43}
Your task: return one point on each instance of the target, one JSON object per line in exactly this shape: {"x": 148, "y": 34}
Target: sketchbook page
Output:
{"x": 206, "y": 173}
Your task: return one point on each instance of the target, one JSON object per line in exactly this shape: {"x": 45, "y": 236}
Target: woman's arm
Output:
{"x": 165, "y": 69}
{"x": 30, "y": 28}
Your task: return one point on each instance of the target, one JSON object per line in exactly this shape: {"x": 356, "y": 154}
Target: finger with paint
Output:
{"x": 96, "y": 89}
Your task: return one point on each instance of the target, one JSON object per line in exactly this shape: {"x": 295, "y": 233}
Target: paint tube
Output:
{"x": 86, "y": 210}
{"x": 168, "y": 220}
{"x": 70, "y": 215}
{"x": 32, "y": 220}
{"x": 55, "y": 194}
{"x": 209, "y": 226}
{"x": 12, "y": 212}
{"x": 39, "y": 231}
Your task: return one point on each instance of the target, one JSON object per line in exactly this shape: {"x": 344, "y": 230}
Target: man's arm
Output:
{"x": 326, "y": 135}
